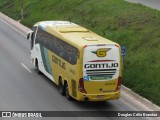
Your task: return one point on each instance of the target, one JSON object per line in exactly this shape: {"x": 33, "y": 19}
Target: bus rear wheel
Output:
{"x": 61, "y": 87}
{"x": 67, "y": 92}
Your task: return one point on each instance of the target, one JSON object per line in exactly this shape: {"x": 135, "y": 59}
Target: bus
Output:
{"x": 84, "y": 65}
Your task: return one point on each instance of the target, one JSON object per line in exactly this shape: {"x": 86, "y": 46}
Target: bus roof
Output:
{"x": 73, "y": 33}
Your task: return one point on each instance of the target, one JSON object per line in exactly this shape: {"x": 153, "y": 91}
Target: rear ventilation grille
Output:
{"x": 101, "y": 73}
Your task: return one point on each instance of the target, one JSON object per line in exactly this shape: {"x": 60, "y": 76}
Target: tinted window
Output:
{"x": 57, "y": 46}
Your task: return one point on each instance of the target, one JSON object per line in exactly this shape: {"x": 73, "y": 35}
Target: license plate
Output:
{"x": 100, "y": 96}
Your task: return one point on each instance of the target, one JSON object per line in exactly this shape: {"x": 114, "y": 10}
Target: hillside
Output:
{"x": 135, "y": 26}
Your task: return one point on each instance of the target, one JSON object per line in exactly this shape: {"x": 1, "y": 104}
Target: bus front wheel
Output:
{"x": 37, "y": 66}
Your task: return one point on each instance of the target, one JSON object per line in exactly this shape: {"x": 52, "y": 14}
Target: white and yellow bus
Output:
{"x": 84, "y": 65}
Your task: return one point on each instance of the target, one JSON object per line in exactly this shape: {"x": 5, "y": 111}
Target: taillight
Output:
{"x": 118, "y": 84}
{"x": 81, "y": 86}
{"x": 85, "y": 46}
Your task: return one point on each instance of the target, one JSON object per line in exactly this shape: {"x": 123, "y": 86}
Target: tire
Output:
{"x": 37, "y": 66}
{"x": 67, "y": 92}
{"x": 61, "y": 87}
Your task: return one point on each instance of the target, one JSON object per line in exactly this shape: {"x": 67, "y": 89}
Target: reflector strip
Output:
{"x": 101, "y": 61}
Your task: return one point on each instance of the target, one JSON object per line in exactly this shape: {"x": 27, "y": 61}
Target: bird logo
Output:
{"x": 101, "y": 52}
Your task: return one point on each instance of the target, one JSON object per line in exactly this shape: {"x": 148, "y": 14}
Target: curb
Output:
{"x": 139, "y": 98}
{"x": 23, "y": 29}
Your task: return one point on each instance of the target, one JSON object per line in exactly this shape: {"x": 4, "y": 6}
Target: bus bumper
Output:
{"x": 98, "y": 97}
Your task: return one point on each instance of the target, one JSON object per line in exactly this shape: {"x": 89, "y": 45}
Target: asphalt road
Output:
{"x": 22, "y": 89}
{"x": 155, "y": 4}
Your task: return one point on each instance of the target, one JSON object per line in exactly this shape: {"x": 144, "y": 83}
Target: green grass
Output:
{"x": 134, "y": 25}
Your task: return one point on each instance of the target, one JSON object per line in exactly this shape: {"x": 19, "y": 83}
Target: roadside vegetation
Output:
{"x": 133, "y": 25}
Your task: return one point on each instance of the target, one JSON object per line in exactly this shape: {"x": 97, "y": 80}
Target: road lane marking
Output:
{"x": 26, "y": 68}
{"x": 13, "y": 27}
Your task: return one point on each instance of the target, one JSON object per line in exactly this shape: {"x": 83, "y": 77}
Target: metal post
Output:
{"x": 22, "y": 9}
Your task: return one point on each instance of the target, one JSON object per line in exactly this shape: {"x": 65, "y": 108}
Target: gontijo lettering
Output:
{"x": 58, "y": 62}
{"x": 103, "y": 65}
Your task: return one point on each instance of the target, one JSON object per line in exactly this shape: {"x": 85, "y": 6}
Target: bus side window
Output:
{"x": 32, "y": 41}
{"x": 30, "y": 38}
{"x": 34, "y": 33}
{"x": 34, "y": 29}
{"x": 74, "y": 57}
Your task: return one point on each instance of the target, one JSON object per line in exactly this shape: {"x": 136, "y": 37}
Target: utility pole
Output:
{"x": 22, "y": 9}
